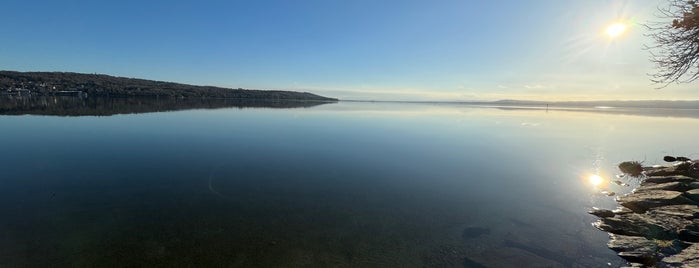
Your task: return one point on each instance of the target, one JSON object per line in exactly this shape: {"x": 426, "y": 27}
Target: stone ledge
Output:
{"x": 657, "y": 224}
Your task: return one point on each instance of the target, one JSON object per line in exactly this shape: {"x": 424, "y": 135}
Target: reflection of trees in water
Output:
{"x": 74, "y": 106}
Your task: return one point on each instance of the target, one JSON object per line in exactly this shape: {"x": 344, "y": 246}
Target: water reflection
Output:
{"x": 104, "y": 106}
{"x": 339, "y": 185}
{"x": 596, "y": 180}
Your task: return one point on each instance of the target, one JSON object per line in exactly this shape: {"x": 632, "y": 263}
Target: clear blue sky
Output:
{"x": 401, "y": 50}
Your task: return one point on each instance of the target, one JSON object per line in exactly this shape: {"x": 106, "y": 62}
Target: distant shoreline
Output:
{"x": 591, "y": 107}
{"x": 55, "y": 83}
{"x": 663, "y": 104}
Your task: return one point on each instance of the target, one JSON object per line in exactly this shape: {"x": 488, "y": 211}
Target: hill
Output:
{"x": 49, "y": 83}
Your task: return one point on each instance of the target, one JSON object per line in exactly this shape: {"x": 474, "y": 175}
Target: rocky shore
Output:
{"x": 657, "y": 225}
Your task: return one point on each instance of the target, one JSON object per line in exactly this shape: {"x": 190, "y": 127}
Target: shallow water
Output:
{"x": 343, "y": 185}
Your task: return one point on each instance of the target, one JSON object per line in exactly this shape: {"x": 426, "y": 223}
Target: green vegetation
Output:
{"x": 48, "y": 83}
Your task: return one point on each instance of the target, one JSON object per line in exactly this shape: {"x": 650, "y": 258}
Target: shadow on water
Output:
{"x": 469, "y": 263}
{"x": 473, "y": 232}
{"x": 541, "y": 252}
{"x": 104, "y": 106}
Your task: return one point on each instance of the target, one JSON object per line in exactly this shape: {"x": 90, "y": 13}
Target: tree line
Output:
{"x": 46, "y": 83}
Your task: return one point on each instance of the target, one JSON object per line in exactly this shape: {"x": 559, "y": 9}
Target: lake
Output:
{"x": 348, "y": 184}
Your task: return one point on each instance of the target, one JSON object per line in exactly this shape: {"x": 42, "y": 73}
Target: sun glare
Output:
{"x": 595, "y": 180}
{"x": 616, "y": 29}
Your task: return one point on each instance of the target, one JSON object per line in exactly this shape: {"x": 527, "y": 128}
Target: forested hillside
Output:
{"x": 47, "y": 83}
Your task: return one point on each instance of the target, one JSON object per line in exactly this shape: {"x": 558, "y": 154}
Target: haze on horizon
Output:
{"x": 368, "y": 50}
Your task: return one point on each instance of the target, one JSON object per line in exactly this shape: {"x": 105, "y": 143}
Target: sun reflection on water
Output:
{"x": 595, "y": 180}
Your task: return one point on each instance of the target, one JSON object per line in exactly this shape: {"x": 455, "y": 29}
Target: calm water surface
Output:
{"x": 335, "y": 185}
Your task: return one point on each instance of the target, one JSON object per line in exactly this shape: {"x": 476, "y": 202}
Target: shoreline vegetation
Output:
{"x": 107, "y": 106}
{"x": 82, "y": 85}
{"x": 656, "y": 225}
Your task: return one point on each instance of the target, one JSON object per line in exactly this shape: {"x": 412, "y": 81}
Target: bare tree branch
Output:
{"x": 676, "y": 54}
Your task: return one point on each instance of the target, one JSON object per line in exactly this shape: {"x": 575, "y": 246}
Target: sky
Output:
{"x": 452, "y": 50}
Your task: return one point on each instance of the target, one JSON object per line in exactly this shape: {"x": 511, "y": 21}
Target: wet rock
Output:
{"x": 622, "y": 210}
{"x": 634, "y": 249}
{"x": 689, "y": 257}
{"x": 641, "y": 201}
{"x": 602, "y": 213}
{"x": 608, "y": 193}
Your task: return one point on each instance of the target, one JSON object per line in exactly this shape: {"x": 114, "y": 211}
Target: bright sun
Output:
{"x": 616, "y": 29}
{"x": 596, "y": 180}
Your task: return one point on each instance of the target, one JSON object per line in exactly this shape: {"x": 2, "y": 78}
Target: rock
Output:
{"x": 641, "y": 201}
{"x": 689, "y": 257}
{"x": 602, "y": 213}
{"x": 608, "y": 193}
{"x": 634, "y": 249}
{"x": 668, "y": 158}
{"x": 658, "y": 179}
{"x": 666, "y": 179}
{"x": 633, "y": 224}
{"x": 660, "y": 171}
{"x": 693, "y": 194}
{"x": 668, "y": 186}
{"x": 688, "y": 212}
{"x": 622, "y": 210}
{"x": 657, "y": 224}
